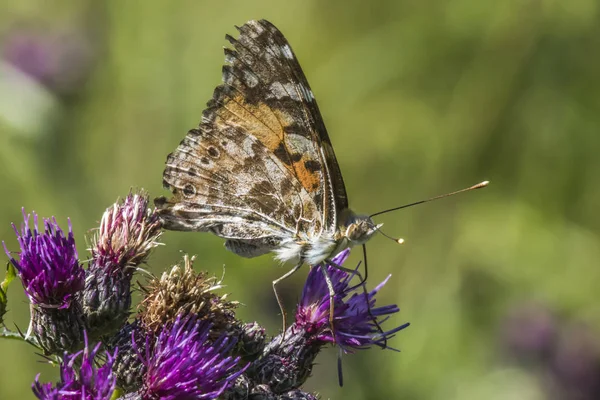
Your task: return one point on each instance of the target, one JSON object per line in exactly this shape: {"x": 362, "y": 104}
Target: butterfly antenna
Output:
{"x": 397, "y": 240}
{"x": 474, "y": 187}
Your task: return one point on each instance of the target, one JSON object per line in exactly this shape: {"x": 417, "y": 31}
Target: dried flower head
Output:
{"x": 80, "y": 378}
{"x": 183, "y": 291}
{"x": 186, "y": 364}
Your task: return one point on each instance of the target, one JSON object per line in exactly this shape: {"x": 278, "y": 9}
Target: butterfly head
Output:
{"x": 358, "y": 229}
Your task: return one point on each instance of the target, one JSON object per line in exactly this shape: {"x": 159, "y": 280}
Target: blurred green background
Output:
{"x": 419, "y": 98}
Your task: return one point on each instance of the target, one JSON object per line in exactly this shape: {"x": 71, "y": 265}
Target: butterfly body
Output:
{"x": 260, "y": 170}
{"x": 301, "y": 247}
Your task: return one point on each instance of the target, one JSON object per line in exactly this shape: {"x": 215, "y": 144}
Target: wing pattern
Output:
{"x": 260, "y": 167}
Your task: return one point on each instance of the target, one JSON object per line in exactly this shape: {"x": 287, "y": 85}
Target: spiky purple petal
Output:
{"x": 356, "y": 319}
{"x": 80, "y": 378}
{"x": 186, "y": 364}
{"x": 47, "y": 264}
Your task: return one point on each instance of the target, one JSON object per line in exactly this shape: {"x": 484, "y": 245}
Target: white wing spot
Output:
{"x": 306, "y": 93}
{"x": 291, "y": 90}
{"x": 280, "y": 90}
{"x": 287, "y": 52}
{"x": 276, "y": 90}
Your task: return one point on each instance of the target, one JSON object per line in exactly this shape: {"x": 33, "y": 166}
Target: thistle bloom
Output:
{"x": 356, "y": 320}
{"x": 53, "y": 280}
{"x": 80, "y": 378}
{"x": 186, "y": 364}
{"x": 48, "y": 265}
{"x": 287, "y": 361}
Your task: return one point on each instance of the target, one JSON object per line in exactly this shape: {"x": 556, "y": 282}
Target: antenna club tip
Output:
{"x": 481, "y": 185}
{"x": 400, "y": 241}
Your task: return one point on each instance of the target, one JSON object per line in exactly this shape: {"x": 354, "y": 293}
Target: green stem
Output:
{"x": 6, "y": 333}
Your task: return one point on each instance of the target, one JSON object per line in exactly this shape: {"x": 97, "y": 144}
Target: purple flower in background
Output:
{"x": 529, "y": 333}
{"x": 186, "y": 364}
{"x": 356, "y": 319}
{"x": 61, "y": 61}
{"x": 575, "y": 365}
{"x": 48, "y": 265}
{"x": 80, "y": 378}
{"x": 562, "y": 352}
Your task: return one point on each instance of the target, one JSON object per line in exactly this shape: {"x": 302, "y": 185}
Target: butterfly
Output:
{"x": 260, "y": 170}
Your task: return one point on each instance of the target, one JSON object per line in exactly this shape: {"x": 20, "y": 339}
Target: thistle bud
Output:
{"x": 128, "y": 232}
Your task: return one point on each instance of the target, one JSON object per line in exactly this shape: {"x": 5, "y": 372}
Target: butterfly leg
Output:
{"x": 332, "y": 292}
{"x": 331, "y": 298}
{"x": 279, "y": 302}
{"x": 362, "y": 282}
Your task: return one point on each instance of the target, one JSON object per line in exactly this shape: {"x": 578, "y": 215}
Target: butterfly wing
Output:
{"x": 260, "y": 168}
{"x": 292, "y": 93}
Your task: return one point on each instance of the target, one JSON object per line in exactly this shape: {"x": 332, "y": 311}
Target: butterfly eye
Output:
{"x": 189, "y": 190}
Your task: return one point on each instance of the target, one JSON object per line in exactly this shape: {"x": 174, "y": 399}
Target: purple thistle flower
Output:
{"x": 356, "y": 319}
{"x": 286, "y": 362}
{"x": 185, "y": 364}
{"x": 48, "y": 265}
{"x": 80, "y": 379}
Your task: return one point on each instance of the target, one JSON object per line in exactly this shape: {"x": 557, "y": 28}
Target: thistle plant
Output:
{"x": 128, "y": 232}
{"x": 53, "y": 279}
{"x": 183, "y": 340}
{"x": 80, "y": 377}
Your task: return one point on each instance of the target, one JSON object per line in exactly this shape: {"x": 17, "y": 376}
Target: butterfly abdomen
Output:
{"x": 310, "y": 251}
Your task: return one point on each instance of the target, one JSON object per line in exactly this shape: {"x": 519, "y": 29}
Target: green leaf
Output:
{"x": 11, "y": 273}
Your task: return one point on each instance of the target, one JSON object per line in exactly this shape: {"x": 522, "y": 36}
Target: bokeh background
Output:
{"x": 420, "y": 98}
